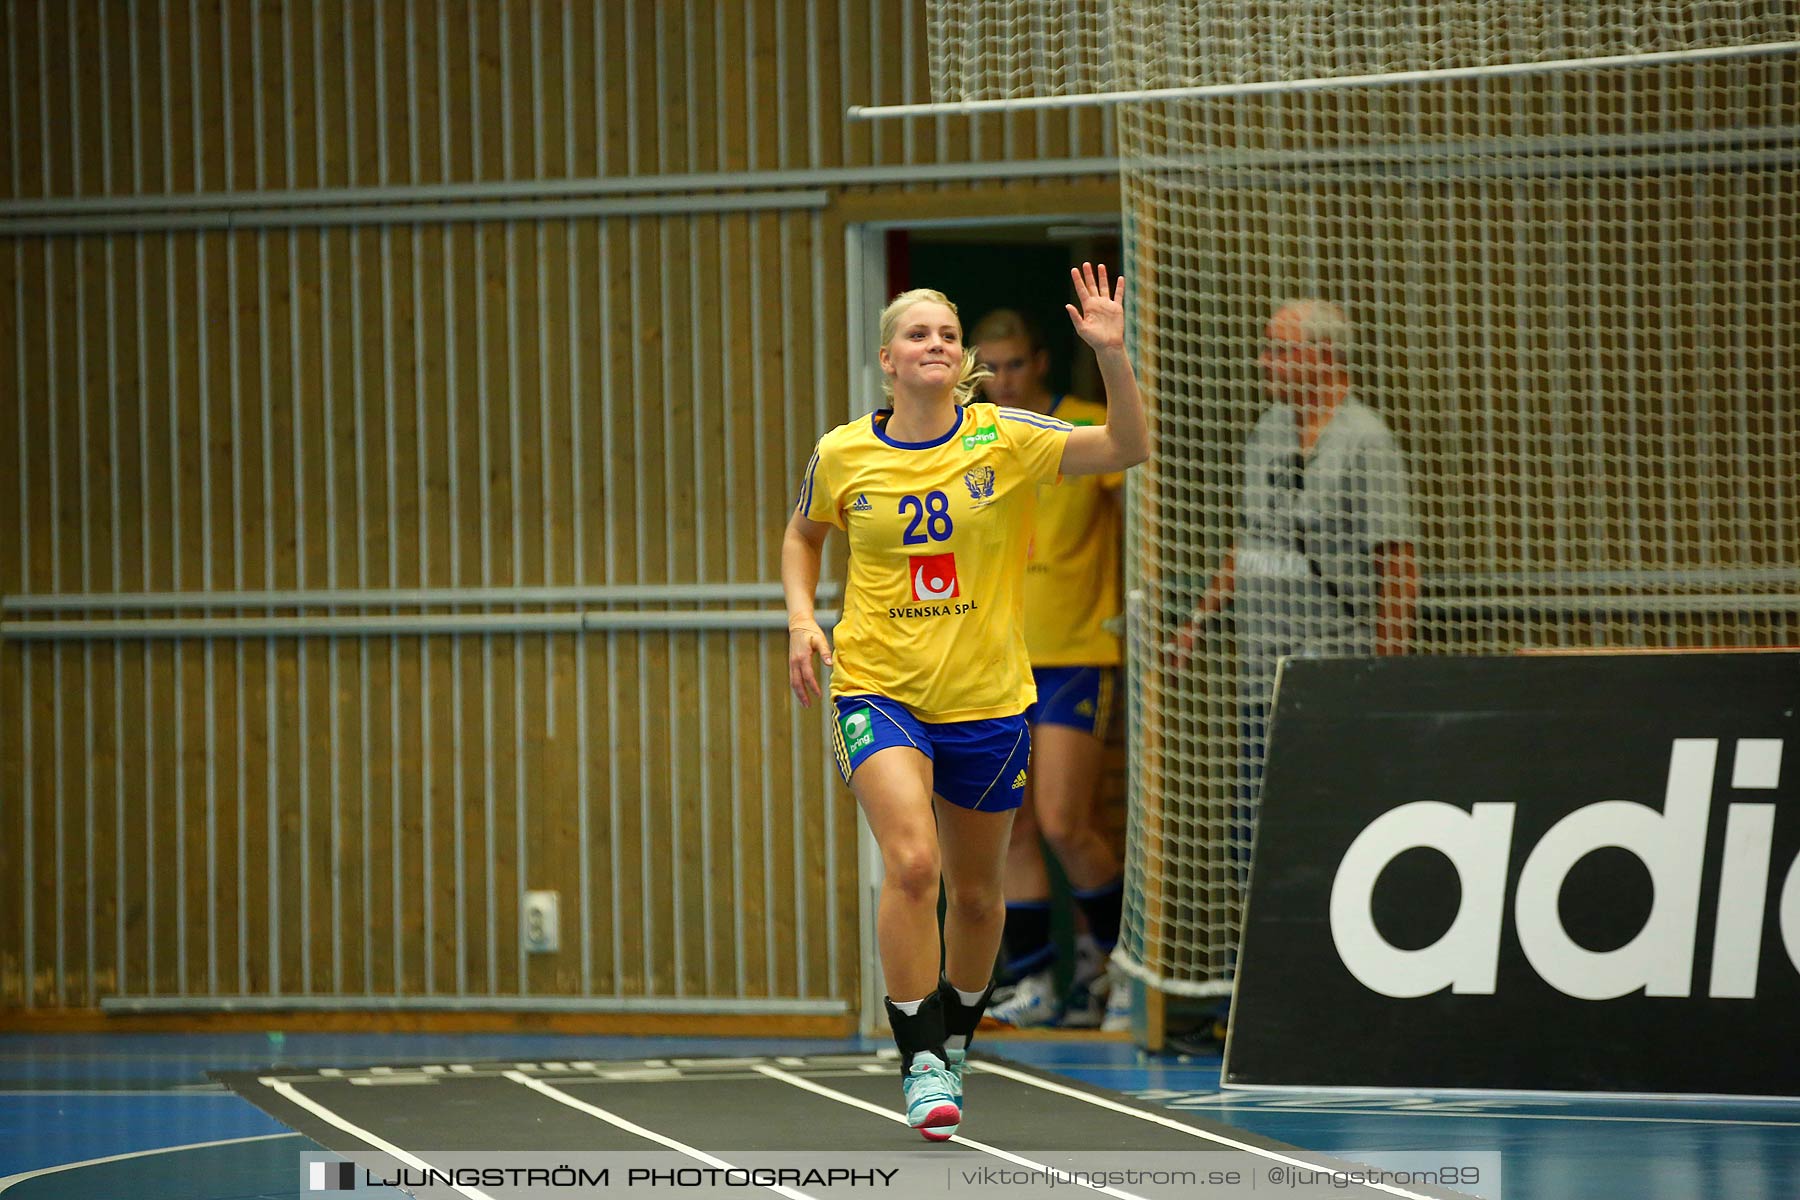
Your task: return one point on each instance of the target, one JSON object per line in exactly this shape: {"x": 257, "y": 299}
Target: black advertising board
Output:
{"x": 1573, "y": 873}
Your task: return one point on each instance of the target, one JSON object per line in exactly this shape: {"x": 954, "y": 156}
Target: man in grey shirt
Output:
{"x": 1324, "y": 560}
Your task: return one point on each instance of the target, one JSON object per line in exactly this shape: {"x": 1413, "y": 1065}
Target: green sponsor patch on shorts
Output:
{"x": 859, "y": 729}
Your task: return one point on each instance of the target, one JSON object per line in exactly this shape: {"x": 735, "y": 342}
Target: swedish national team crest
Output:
{"x": 980, "y": 483}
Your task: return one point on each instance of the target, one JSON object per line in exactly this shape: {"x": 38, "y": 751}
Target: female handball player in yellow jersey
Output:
{"x": 930, "y": 677}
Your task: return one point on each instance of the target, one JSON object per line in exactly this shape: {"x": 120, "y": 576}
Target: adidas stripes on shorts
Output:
{"x": 977, "y": 765}
{"x": 1079, "y": 697}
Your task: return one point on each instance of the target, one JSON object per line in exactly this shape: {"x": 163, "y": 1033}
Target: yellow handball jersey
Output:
{"x": 933, "y": 612}
{"x": 1072, "y": 578}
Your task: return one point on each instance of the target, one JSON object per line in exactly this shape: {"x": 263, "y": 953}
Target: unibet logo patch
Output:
{"x": 981, "y": 437}
{"x": 933, "y": 576}
{"x": 859, "y": 730}
{"x": 1019, "y": 780}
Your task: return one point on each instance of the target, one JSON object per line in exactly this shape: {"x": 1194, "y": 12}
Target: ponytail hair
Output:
{"x": 968, "y": 379}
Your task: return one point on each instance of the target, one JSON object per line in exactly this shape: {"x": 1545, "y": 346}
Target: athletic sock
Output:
{"x": 1103, "y": 906}
{"x": 962, "y": 1012}
{"x": 1025, "y": 941}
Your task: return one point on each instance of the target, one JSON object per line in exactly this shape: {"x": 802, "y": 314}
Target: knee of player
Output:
{"x": 912, "y": 866}
{"x": 1062, "y": 824}
{"x": 975, "y": 901}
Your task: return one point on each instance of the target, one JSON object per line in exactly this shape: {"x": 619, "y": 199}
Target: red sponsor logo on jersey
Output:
{"x": 933, "y": 576}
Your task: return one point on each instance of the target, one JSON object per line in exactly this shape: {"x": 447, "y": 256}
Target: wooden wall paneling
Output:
{"x": 491, "y": 945}
{"x": 82, "y": 109}
{"x": 14, "y": 737}
{"x": 99, "y": 532}
{"x": 179, "y": 721}
{"x": 164, "y": 465}
{"x": 380, "y": 773}
{"x": 35, "y": 326}
{"x": 343, "y": 331}
{"x": 711, "y": 454}
{"x": 486, "y": 661}
{"x": 252, "y": 400}
{"x": 827, "y": 83}
{"x": 541, "y": 862}
{"x": 52, "y": 865}
{"x": 625, "y": 423}
{"x": 636, "y": 49}
{"x": 102, "y": 806}
{"x": 407, "y": 808}
{"x": 268, "y": 64}
{"x": 55, "y": 37}
{"x": 315, "y": 536}
{"x": 833, "y": 808}
{"x": 59, "y": 535}
{"x": 450, "y": 734}
{"x": 43, "y": 770}
{"x": 27, "y": 99}
{"x": 131, "y": 711}
{"x": 574, "y": 33}
{"x": 430, "y": 330}
{"x": 278, "y": 168}
{"x": 15, "y": 416}
{"x": 314, "y": 382}
{"x": 788, "y": 87}
{"x": 14, "y": 576}
{"x": 656, "y": 658}
{"x": 220, "y": 448}
{"x": 884, "y": 55}
{"x": 481, "y": 817}
{"x": 367, "y": 48}
{"x": 616, "y": 59}
{"x": 675, "y": 732}
{"x": 9, "y": 106}
{"x": 923, "y": 134}
{"x": 641, "y": 407}
{"x": 773, "y": 814}
{"x": 765, "y": 104}
{"x": 455, "y": 470}
{"x": 550, "y": 835}
{"x": 38, "y": 141}
{"x": 782, "y": 420}
{"x": 856, "y": 41}
{"x": 589, "y": 470}
{"x": 555, "y": 837}
{"x": 736, "y": 333}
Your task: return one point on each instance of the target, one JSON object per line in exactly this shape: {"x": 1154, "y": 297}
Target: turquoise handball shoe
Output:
{"x": 931, "y": 1097}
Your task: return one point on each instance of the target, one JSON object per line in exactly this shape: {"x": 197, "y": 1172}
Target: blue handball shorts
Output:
{"x": 1079, "y": 697}
{"x": 977, "y": 765}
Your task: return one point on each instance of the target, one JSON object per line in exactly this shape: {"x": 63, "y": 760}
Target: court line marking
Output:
{"x": 288, "y": 1092}
{"x": 1178, "y": 1126}
{"x": 878, "y": 1110}
{"x": 22, "y": 1176}
{"x": 180, "y": 1093}
{"x": 611, "y": 1118}
{"x": 1348, "y": 1111}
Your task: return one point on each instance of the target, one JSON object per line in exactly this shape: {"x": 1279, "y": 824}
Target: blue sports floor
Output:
{"x": 144, "y": 1102}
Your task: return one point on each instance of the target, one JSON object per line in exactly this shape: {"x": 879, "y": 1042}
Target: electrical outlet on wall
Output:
{"x": 540, "y": 923}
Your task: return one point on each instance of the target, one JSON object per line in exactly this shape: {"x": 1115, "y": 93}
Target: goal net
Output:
{"x": 1570, "y": 307}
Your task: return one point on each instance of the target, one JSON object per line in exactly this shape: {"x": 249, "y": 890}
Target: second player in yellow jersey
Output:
{"x": 1071, "y": 604}
{"x": 1072, "y": 577}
